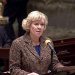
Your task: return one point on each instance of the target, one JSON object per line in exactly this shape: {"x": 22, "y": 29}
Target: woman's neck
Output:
{"x": 35, "y": 40}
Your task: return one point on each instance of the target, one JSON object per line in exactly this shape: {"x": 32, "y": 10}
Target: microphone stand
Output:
{"x": 51, "y": 61}
{"x": 52, "y": 50}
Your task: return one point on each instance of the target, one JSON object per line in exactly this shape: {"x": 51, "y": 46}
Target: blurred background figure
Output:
{"x": 15, "y": 9}
{"x": 5, "y": 42}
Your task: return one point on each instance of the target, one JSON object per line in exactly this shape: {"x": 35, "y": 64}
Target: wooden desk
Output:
{"x": 66, "y": 51}
{"x": 4, "y": 53}
{"x": 4, "y": 56}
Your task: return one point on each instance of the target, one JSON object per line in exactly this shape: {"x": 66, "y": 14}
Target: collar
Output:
{"x": 27, "y": 38}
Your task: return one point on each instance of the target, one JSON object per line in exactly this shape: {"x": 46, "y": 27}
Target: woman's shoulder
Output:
{"x": 22, "y": 39}
{"x": 19, "y": 39}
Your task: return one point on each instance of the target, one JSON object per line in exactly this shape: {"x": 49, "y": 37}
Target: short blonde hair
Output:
{"x": 33, "y": 16}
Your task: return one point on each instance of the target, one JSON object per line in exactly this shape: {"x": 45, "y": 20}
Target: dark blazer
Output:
{"x": 4, "y": 39}
{"x": 24, "y": 58}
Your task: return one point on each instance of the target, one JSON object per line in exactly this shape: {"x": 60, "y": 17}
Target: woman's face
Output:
{"x": 37, "y": 28}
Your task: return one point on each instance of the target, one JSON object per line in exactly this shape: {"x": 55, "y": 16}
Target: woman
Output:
{"x": 29, "y": 55}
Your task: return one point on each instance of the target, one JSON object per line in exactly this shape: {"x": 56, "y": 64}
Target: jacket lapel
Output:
{"x": 31, "y": 48}
{"x": 33, "y": 51}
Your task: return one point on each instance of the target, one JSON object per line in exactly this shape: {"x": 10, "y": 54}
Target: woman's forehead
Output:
{"x": 38, "y": 19}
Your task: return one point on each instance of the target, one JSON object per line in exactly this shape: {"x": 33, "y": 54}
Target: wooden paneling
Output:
{"x": 66, "y": 51}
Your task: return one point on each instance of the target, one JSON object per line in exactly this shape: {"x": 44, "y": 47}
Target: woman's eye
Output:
{"x": 42, "y": 24}
{"x": 36, "y": 24}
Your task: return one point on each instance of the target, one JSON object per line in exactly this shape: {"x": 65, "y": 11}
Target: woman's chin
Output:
{"x": 37, "y": 35}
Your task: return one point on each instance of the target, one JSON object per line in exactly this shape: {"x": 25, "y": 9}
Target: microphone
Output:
{"x": 48, "y": 42}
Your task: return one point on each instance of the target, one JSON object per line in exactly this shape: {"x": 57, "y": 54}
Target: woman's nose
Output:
{"x": 39, "y": 26}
